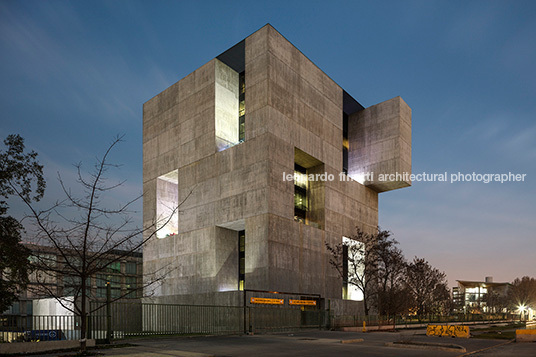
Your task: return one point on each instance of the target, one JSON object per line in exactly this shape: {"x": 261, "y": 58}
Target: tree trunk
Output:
{"x": 83, "y": 316}
{"x": 83, "y": 328}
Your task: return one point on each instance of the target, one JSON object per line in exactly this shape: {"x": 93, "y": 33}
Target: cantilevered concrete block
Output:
{"x": 380, "y": 145}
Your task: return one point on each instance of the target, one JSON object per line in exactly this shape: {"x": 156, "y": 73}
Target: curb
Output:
{"x": 352, "y": 341}
{"x": 427, "y": 346}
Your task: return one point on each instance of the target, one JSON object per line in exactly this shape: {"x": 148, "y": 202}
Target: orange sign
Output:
{"x": 302, "y": 302}
{"x": 256, "y": 300}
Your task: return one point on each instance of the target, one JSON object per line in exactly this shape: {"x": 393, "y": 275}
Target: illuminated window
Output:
{"x": 309, "y": 188}
{"x": 167, "y": 200}
{"x": 300, "y": 193}
{"x": 352, "y": 267}
{"x": 242, "y": 107}
{"x": 229, "y": 106}
{"x": 345, "y": 145}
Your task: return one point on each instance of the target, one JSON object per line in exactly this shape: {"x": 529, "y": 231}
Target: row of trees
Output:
{"x": 521, "y": 295}
{"x": 390, "y": 284}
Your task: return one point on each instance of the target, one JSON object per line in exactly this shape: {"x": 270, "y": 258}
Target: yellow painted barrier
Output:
{"x": 525, "y": 335}
{"x": 526, "y": 332}
{"x": 448, "y": 330}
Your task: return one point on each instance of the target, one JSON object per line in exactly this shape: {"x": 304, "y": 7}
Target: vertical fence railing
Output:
{"x": 137, "y": 319}
{"x": 165, "y": 319}
{"x": 16, "y": 328}
{"x": 375, "y": 320}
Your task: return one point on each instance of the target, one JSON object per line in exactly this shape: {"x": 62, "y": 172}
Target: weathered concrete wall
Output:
{"x": 380, "y": 143}
{"x": 291, "y": 106}
{"x": 345, "y": 307}
{"x": 225, "y": 298}
{"x": 292, "y": 99}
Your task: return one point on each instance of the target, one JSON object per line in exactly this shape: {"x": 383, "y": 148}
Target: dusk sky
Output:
{"x": 73, "y": 74}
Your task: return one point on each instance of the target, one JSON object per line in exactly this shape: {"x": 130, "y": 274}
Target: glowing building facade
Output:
{"x": 235, "y": 144}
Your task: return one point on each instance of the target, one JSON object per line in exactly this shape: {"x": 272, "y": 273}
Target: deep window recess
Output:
{"x": 300, "y": 193}
{"x": 167, "y": 196}
{"x": 241, "y": 259}
{"x": 345, "y": 145}
{"x": 345, "y": 271}
{"x": 241, "y": 107}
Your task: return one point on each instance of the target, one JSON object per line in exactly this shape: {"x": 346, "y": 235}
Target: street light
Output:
{"x": 521, "y": 308}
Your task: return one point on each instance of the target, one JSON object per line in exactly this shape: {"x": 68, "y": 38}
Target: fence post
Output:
{"x": 245, "y": 312}
{"x": 328, "y": 322}
{"x": 108, "y": 313}
{"x": 89, "y": 326}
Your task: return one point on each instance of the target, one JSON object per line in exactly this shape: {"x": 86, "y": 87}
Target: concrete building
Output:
{"x": 125, "y": 277}
{"x": 477, "y": 297}
{"x": 235, "y": 144}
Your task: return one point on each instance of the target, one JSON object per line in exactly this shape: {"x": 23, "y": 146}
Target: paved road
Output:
{"x": 315, "y": 343}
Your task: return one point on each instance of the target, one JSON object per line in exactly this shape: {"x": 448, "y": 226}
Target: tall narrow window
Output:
{"x": 300, "y": 193}
{"x": 241, "y": 259}
{"x": 227, "y": 103}
{"x": 345, "y": 272}
{"x": 345, "y": 145}
{"x": 167, "y": 196}
{"x": 242, "y": 107}
{"x": 352, "y": 268}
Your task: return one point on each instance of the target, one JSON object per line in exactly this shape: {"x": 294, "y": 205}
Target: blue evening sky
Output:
{"x": 75, "y": 73}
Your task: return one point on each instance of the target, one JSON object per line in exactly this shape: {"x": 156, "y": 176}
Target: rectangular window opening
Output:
{"x": 308, "y": 189}
{"x": 167, "y": 200}
{"x": 300, "y": 193}
{"x": 345, "y": 144}
{"x": 242, "y": 107}
{"x": 352, "y": 265}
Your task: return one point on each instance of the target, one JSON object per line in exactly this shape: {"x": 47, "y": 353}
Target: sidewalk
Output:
{"x": 423, "y": 325}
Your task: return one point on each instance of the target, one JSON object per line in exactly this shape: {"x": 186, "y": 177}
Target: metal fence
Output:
{"x": 17, "y": 328}
{"x": 376, "y": 320}
{"x": 136, "y": 319}
{"x": 129, "y": 319}
{"x": 264, "y": 318}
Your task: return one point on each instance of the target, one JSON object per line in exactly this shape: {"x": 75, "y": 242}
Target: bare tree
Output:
{"x": 359, "y": 261}
{"x": 390, "y": 296}
{"x": 88, "y": 237}
{"x": 427, "y": 286}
